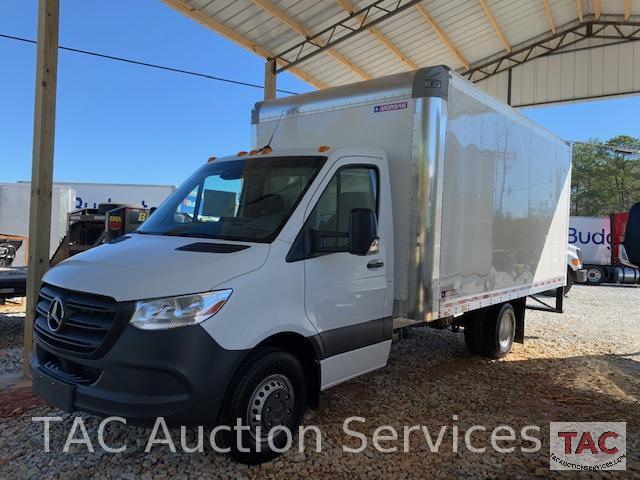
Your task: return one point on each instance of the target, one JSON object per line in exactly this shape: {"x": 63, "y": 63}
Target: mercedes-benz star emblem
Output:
{"x": 55, "y": 314}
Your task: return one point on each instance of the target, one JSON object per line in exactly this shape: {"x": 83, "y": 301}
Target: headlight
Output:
{"x": 172, "y": 312}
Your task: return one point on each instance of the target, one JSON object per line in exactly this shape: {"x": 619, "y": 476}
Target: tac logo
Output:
{"x": 588, "y": 446}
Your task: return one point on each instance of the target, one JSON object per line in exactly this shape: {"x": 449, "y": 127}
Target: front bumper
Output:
{"x": 580, "y": 276}
{"x": 180, "y": 374}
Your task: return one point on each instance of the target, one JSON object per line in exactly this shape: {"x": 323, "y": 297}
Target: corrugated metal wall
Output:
{"x": 593, "y": 73}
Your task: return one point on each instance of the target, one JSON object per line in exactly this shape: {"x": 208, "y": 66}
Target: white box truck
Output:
{"x": 272, "y": 275}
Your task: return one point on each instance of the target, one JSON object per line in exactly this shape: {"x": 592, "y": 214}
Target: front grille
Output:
{"x": 71, "y": 372}
{"x": 86, "y": 323}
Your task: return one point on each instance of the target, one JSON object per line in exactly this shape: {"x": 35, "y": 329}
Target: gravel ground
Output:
{"x": 580, "y": 366}
{"x": 10, "y": 340}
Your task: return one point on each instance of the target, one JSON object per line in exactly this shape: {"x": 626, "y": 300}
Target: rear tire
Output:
{"x": 268, "y": 391}
{"x": 499, "y": 330}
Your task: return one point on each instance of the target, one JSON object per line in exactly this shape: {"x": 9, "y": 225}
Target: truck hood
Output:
{"x": 149, "y": 266}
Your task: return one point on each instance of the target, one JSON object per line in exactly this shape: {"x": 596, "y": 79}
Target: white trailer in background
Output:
{"x": 415, "y": 198}
{"x": 14, "y": 214}
{"x": 592, "y": 235}
{"x": 67, "y": 197}
{"x": 90, "y": 195}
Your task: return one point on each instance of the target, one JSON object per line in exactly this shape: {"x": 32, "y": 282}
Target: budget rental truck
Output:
{"x": 274, "y": 274}
{"x": 601, "y": 241}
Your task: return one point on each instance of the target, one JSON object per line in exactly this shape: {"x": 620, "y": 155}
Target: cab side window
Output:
{"x": 350, "y": 187}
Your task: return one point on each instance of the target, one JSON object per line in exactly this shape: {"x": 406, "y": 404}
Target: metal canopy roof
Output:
{"x": 334, "y": 42}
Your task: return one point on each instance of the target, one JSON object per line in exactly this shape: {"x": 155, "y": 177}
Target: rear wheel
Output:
{"x": 267, "y": 396}
{"x": 498, "y": 331}
{"x": 595, "y": 275}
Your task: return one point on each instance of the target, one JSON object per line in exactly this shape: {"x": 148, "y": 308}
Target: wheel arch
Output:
{"x": 308, "y": 350}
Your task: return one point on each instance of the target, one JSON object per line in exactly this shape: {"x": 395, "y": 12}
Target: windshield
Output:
{"x": 247, "y": 199}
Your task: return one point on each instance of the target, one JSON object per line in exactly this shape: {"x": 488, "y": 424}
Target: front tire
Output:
{"x": 267, "y": 392}
{"x": 569, "y": 281}
{"x": 595, "y": 275}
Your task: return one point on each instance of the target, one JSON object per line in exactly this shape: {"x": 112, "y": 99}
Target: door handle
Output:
{"x": 375, "y": 264}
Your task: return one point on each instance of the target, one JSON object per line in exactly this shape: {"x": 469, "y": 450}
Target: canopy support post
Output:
{"x": 270, "y": 80}
{"x": 42, "y": 162}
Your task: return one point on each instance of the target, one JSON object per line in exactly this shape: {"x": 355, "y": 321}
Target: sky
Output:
{"x": 124, "y": 123}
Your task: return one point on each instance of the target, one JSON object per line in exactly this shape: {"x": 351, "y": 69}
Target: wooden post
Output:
{"x": 42, "y": 164}
{"x": 270, "y": 80}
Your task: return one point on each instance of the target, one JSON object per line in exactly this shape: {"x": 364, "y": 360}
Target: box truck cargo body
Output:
{"x": 274, "y": 274}
{"x": 480, "y": 193}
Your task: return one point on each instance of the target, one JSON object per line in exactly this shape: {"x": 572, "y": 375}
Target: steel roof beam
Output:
{"x": 339, "y": 32}
{"x": 302, "y": 30}
{"x": 381, "y": 37}
{"x": 495, "y": 25}
{"x": 436, "y": 28}
{"x": 547, "y": 10}
{"x": 235, "y": 37}
{"x": 572, "y": 34}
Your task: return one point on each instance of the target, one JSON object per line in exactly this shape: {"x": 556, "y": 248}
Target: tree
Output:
{"x": 606, "y": 176}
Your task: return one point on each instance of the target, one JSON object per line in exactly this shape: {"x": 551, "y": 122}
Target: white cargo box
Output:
{"x": 480, "y": 193}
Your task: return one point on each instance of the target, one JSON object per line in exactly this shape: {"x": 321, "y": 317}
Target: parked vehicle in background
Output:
{"x": 69, "y": 197}
{"x": 89, "y": 227}
{"x": 599, "y": 239}
{"x": 272, "y": 275}
{"x": 575, "y": 271}
{"x": 14, "y": 215}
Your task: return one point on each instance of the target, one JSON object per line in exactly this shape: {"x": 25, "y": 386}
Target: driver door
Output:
{"x": 345, "y": 294}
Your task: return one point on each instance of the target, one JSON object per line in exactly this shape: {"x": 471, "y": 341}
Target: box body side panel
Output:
{"x": 505, "y": 207}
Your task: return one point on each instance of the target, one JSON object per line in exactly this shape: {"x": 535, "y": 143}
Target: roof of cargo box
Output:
{"x": 523, "y": 52}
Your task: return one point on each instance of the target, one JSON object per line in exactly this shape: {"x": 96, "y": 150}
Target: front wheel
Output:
{"x": 267, "y": 396}
{"x": 569, "y": 281}
{"x": 595, "y": 275}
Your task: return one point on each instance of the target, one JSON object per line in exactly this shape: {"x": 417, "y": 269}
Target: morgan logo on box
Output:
{"x": 390, "y": 107}
{"x": 588, "y": 446}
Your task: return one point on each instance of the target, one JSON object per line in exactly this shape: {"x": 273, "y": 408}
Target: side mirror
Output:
{"x": 631, "y": 242}
{"x": 363, "y": 230}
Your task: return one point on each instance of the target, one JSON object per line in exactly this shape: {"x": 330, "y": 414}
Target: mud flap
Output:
{"x": 519, "y": 306}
